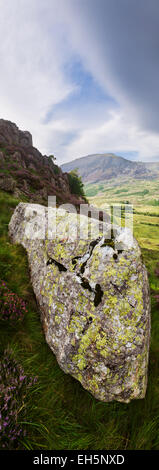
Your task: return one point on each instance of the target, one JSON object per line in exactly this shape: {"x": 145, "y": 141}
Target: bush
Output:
{"x": 75, "y": 183}
{"x": 14, "y": 385}
{"x": 155, "y": 202}
{"x": 12, "y": 307}
{"x": 56, "y": 169}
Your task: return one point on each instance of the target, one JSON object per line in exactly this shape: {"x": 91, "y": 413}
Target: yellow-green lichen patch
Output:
{"x": 87, "y": 339}
{"x": 93, "y": 384}
{"x": 57, "y": 319}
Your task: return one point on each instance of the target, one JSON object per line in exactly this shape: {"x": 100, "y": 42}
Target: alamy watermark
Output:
{"x": 67, "y": 224}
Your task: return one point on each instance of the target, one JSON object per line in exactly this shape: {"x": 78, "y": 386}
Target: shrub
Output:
{"x": 52, "y": 157}
{"x": 14, "y": 385}
{"x": 155, "y": 202}
{"x": 12, "y": 307}
{"x": 75, "y": 183}
{"x": 56, "y": 170}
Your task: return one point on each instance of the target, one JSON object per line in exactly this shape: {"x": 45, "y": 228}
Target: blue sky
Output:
{"x": 88, "y": 93}
{"x": 82, "y": 75}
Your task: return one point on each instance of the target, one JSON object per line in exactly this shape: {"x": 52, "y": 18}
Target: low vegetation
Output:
{"x": 75, "y": 183}
{"x": 14, "y": 387}
{"x": 51, "y": 409}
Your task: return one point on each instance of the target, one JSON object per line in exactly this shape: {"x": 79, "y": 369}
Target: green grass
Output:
{"x": 60, "y": 413}
{"x": 136, "y": 191}
{"x": 119, "y": 191}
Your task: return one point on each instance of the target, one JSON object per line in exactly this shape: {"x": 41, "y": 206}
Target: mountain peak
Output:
{"x": 97, "y": 168}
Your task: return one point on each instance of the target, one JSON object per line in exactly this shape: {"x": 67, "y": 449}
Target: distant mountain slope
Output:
{"x": 100, "y": 167}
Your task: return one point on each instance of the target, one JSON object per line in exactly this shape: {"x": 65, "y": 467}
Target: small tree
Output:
{"x": 52, "y": 157}
{"x": 75, "y": 183}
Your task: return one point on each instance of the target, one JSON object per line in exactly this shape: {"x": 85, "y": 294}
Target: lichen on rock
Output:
{"x": 93, "y": 295}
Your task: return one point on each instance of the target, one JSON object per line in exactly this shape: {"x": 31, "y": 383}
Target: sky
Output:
{"x": 82, "y": 75}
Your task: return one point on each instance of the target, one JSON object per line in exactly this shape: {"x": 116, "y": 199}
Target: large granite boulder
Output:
{"x": 93, "y": 296}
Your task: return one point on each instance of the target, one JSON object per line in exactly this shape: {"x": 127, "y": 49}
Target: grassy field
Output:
{"x": 56, "y": 412}
{"x": 143, "y": 195}
{"x": 134, "y": 191}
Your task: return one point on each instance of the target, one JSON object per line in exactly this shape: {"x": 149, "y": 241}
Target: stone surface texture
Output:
{"x": 93, "y": 296}
{"x": 10, "y": 134}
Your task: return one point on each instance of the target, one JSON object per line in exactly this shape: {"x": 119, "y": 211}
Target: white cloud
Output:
{"x": 115, "y": 135}
{"x": 37, "y": 40}
{"x": 32, "y": 58}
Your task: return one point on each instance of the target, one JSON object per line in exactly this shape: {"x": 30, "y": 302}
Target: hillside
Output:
{"x": 54, "y": 412}
{"x": 100, "y": 167}
{"x": 26, "y": 173}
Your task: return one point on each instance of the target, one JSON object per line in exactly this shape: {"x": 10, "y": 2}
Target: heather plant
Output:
{"x": 14, "y": 385}
{"x": 12, "y": 307}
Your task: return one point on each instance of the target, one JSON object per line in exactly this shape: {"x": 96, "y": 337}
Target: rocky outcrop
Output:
{"x": 25, "y": 171}
{"x": 93, "y": 297}
{"x": 10, "y": 134}
{"x": 7, "y": 184}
